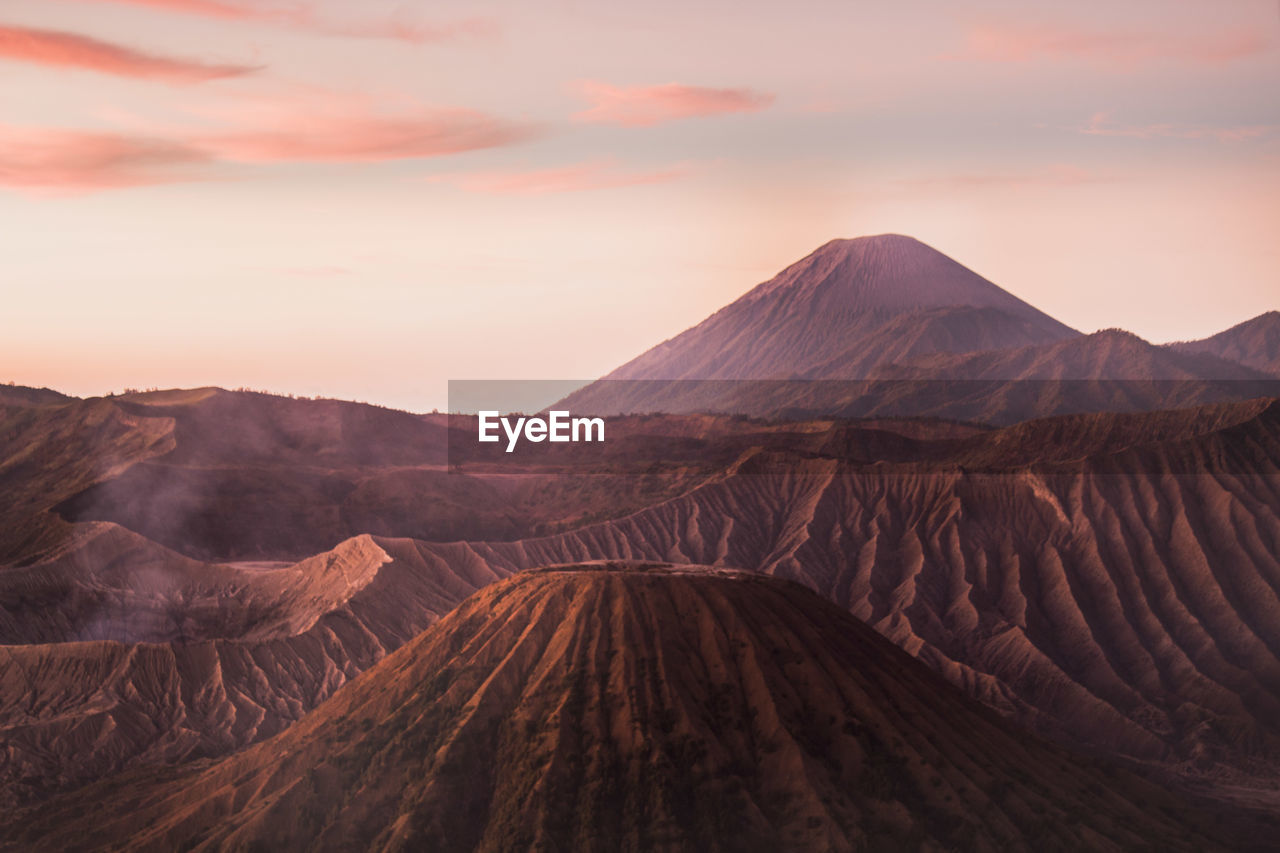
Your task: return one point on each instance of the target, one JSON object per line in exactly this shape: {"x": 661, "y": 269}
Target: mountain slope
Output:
{"x": 1111, "y": 354}
{"x": 625, "y": 708}
{"x": 49, "y": 452}
{"x": 21, "y": 395}
{"x": 124, "y": 654}
{"x": 1255, "y": 343}
{"x": 1111, "y": 370}
{"x": 250, "y": 476}
{"x": 809, "y": 313}
{"x": 893, "y": 310}
{"x": 950, "y": 329}
{"x": 1108, "y": 371}
{"x": 1109, "y": 580}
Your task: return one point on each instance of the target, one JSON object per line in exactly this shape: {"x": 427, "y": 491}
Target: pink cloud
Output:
{"x": 70, "y": 161}
{"x": 366, "y": 138}
{"x": 208, "y": 8}
{"x": 1023, "y": 43}
{"x": 305, "y": 17}
{"x": 639, "y": 106}
{"x": 1100, "y": 124}
{"x": 68, "y": 50}
{"x": 591, "y": 175}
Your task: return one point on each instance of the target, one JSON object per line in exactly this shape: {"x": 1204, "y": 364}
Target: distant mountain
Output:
{"x": 633, "y": 707}
{"x": 235, "y": 475}
{"x": 886, "y": 326}
{"x": 1255, "y": 343}
{"x": 50, "y": 452}
{"x": 805, "y": 319}
{"x": 1112, "y": 354}
{"x": 1111, "y": 371}
{"x": 20, "y": 395}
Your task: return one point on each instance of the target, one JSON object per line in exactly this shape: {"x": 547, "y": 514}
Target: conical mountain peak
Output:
{"x": 803, "y": 321}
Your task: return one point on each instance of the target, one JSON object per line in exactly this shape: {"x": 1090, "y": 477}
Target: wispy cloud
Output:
{"x": 1100, "y": 124}
{"x": 208, "y": 8}
{"x": 63, "y": 161}
{"x": 306, "y": 17}
{"x": 69, "y": 50}
{"x": 638, "y": 106}
{"x": 589, "y": 175}
{"x": 1023, "y": 43}
{"x": 365, "y": 138}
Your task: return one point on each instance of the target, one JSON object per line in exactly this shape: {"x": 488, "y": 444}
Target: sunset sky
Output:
{"x": 363, "y": 200}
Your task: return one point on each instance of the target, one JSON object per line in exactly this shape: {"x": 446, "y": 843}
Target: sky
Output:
{"x": 366, "y": 200}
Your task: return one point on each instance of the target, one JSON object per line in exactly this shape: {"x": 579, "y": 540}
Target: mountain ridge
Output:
{"x": 1255, "y": 342}
{"x": 845, "y": 286}
{"x": 1010, "y": 561}
{"x": 589, "y": 707}
{"x": 891, "y": 309}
